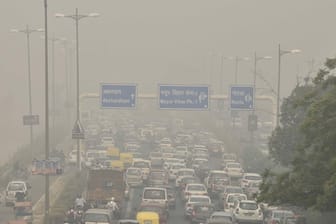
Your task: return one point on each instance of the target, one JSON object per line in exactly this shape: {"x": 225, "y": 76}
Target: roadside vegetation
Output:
{"x": 305, "y": 144}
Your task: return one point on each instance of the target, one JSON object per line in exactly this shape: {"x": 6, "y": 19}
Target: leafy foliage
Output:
{"x": 306, "y": 143}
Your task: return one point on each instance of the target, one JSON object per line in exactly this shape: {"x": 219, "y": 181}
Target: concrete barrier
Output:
{"x": 54, "y": 192}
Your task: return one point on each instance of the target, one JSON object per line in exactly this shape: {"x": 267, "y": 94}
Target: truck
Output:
{"x": 103, "y": 184}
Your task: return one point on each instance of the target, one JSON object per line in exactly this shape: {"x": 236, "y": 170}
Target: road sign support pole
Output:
{"x": 29, "y": 91}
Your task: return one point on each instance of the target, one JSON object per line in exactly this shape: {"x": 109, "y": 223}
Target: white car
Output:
{"x": 194, "y": 199}
{"x": 107, "y": 142}
{"x": 13, "y": 188}
{"x": 231, "y": 199}
{"x": 198, "y": 161}
{"x": 144, "y": 165}
{"x": 248, "y": 211}
{"x": 183, "y": 149}
{"x": 174, "y": 168}
{"x": 194, "y": 189}
{"x": 215, "y": 174}
{"x": 248, "y": 178}
{"x": 182, "y": 173}
{"x": 234, "y": 170}
{"x": 133, "y": 177}
{"x": 73, "y": 157}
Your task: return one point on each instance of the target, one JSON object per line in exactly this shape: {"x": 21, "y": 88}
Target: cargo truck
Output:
{"x": 103, "y": 184}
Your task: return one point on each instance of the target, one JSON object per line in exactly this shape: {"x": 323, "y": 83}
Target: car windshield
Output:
{"x": 234, "y": 190}
{"x": 219, "y": 175}
{"x": 16, "y": 187}
{"x": 133, "y": 172}
{"x": 155, "y": 194}
{"x": 199, "y": 200}
{"x": 185, "y": 173}
{"x": 204, "y": 209}
{"x": 221, "y": 218}
{"x": 233, "y": 165}
{"x": 248, "y": 206}
{"x": 233, "y": 198}
{"x": 253, "y": 178}
{"x": 141, "y": 164}
{"x": 282, "y": 214}
{"x": 96, "y": 218}
{"x": 196, "y": 188}
{"x": 189, "y": 180}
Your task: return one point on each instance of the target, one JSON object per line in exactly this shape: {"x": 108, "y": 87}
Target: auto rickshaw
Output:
{"x": 24, "y": 211}
{"x": 127, "y": 159}
{"x": 148, "y": 218}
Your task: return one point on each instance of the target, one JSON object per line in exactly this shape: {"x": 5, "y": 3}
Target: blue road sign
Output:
{"x": 118, "y": 96}
{"x": 183, "y": 97}
{"x": 242, "y": 97}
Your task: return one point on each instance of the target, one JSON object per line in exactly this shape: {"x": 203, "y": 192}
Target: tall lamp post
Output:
{"x": 256, "y": 59}
{"x": 27, "y": 31}
{"x": 46, "y": 142}
{"x": 239, "y": 59}
{"x": 77, "y": 17}
{"x": 280, "y": 54}
{"x": 53, "y": 40}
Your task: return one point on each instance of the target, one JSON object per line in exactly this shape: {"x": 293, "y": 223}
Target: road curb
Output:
{"x": 54, "y": 192}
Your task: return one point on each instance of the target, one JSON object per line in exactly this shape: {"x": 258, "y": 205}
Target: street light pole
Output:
{"x": 46, "y": 207}
{"x": 67, "y": 85}
{"x": 77, "y": 17}
{"x": 256, "y": 59}
{"x": 27, "y": 32}
{"x": 280, "y": 54}
{"x": 278, "y": 89}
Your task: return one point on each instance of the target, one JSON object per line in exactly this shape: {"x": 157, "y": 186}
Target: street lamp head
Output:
{"x": 14, "y": 30}
{"x": 267, "y": 57}
{"x": 245, "y": 58}
{"x": 40, "y": 30}
{"x": 229, "y": 58}
{"x": 295, "y": 51}
{"x": 93, "y": 14}
{"x": 59, "y": 15}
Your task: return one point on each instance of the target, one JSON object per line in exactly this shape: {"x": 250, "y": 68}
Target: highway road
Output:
{"x": 36, "y": 192}
{"x": 175, "y": 215}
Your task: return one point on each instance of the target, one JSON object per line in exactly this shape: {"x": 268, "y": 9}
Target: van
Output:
{"x": 155, "y": 194}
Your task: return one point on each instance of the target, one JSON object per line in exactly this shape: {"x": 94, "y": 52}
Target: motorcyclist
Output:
{"x": 80, "y": 202}
{"x": 113, "y": 207}
{"x": 71, "y": 216}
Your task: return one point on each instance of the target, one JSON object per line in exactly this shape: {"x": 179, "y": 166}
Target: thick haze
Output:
{"x": 150, "y": 42}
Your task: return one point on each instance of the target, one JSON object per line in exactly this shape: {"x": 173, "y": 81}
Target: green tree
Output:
{"x": 308, "y": 133}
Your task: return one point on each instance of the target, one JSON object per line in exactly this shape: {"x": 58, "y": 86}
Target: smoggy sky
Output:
{"x": 151, "y": 41}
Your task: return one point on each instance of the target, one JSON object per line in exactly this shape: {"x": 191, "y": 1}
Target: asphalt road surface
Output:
{"x": 175, "y": 215}
{"x": 36, "y": 192}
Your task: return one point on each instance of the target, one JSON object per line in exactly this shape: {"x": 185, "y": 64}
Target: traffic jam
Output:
{"x": 150, "y": 173}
